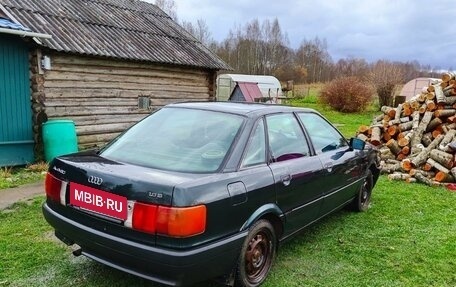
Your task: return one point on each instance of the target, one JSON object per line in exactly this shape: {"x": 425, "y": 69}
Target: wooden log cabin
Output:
{"x": 106, "y": 64}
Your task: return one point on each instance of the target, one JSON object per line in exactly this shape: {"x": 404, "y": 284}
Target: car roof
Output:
{"x": 241, "y": 108}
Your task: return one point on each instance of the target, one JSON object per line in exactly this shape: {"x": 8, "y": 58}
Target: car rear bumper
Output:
{"x": 165, "y": 266}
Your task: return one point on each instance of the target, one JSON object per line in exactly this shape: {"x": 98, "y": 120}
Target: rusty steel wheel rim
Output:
{"x": 258, "y": 257}
{"x": 365, "y": 193}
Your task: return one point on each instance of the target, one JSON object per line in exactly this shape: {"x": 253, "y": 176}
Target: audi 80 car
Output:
{"x": 204, "y": 190}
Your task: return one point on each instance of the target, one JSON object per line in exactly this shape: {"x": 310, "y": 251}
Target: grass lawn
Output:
{"x": 407, "y": 238}
{"x": 15, "y": 176}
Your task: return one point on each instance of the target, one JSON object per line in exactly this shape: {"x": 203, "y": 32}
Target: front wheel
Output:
{"x": 257, "y": 255}
{"x": 362, "y": 200}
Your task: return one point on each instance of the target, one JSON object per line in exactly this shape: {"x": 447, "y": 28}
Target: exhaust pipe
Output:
{"x": 77, "y": 252}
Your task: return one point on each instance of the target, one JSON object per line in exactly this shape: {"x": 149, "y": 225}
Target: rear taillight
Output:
{"x": 144, "y": 217}
{"x": 169, "y": 221}
{"x": 55, "y": 188}
{"x": 181, "y": 221}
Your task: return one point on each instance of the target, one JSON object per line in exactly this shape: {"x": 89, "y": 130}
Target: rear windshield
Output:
{"x": 178, "y": 139}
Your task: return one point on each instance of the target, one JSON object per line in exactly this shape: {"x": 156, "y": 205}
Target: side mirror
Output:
{"x": 357, "y": 144}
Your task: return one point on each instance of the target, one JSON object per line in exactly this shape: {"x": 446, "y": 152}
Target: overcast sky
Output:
{"x": 402, "y": 30}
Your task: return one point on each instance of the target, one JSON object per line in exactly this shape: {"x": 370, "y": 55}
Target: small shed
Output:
{"x": 246, "y": 92}
{"x": 415, "y": 86}
{"x": 269, "y": 86}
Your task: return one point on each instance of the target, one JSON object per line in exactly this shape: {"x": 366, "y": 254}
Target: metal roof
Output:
{"x": 250, "y": 91}
{"x": 124, "y": 29}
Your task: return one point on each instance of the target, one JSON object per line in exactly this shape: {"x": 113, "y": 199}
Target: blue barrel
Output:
{"x": 59, "y": 138}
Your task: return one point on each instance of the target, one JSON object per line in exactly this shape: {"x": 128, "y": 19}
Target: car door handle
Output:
{"x": 286, "y": 179}
{"x": 329, "y": 166}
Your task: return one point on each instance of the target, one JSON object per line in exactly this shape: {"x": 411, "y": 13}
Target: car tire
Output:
{"x": 257, "y": 255}
{"x": 363, "y": 198}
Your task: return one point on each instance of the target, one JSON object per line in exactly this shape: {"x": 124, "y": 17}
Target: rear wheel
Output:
{"x": 362, "y": 200}
{"x": 257, "y": 255}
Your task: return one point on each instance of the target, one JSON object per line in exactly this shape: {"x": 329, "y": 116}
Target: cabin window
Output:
{"x": 143, "y": 103}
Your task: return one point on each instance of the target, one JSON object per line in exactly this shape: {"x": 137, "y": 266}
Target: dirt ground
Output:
{"x": 10, "y": 196}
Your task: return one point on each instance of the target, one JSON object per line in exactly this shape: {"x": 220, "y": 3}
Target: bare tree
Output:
{"x": 169, "y": 7}
{"x": 314, "y": 57}
{"x": 199, "y": 30}
{"x": 351, "y": 67}
{"x": 384, "y": 76}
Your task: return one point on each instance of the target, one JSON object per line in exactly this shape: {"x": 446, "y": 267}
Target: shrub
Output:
{"x": 346, "y": 94}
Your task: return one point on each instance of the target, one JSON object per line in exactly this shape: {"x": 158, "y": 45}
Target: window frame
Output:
{"x": 308, "y": 133}
{"x": 250, "y": 139}
{"x": 307, "y": 141}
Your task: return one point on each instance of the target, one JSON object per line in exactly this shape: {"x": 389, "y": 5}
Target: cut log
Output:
{"x": 437, "y": 165}
{"x": 386, "y": 137}
{"x": 406, "y": 164}
{"x": 447, "y": 139}
{"x": 386, "y": 154}
{"x": 427, "y": 139}
{"x": 430, "y": 89}
{"x": 392, "y": 130}
{"x": 405, "y": 126}
{"x": 398, "y": 114}
{"x": 403, "y": 142}
{"x": 422, "y": 109}
{"x": 428, "y": 174}
{"x": 414, "y": 104}
{"x": 401, "y": 156}
{"x": 433, "y": 124}
{"x": 421, "y": 178}
{"x": 444, "y": 177}
{"x": 445, "y": 159}
{"x": 431, "y": 105}
{"x": 416, "y": 139}
{"x": 394, "y": 146}
{"x": 390, "y": 168}
{"x": 439, "y": 96}
{"x": 424, "y": 154}
{"x": 390, "y": 111}
{"x": 377, "y": 119}
{"x": 435, "y": 133}
{"x": 394, "y": 122}
{"x": 430, "y": 96}
{"x": 451, "y": 100}
{"x": 407, "y": 111}
{"x": 411, "y": 180}
{"x": 375, "y": 137}
{"x": 451, "y": 119}
{"x": 446, "y": 77}
{"x": 398, "y": 176}
{"x": 426, "y": 167}
{"x": 405, "y": 150}
{"x": 445, "y": 113}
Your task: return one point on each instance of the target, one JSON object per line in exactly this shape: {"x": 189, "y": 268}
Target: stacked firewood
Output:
{"x": 417, "y": 139}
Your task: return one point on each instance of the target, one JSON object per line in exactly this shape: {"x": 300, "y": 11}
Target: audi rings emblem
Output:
{"x": 95, "y": 180}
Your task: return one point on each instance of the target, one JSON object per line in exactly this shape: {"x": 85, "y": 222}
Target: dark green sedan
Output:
{"x": 206, "y": 190}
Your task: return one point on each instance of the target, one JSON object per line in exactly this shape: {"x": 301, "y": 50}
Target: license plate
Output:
{"x": 98, "y": 201}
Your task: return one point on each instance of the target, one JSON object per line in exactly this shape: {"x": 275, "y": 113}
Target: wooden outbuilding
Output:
{"x": 105, "y": 64}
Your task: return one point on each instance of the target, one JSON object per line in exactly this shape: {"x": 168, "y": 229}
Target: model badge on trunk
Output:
{"x": 95, "y": 180}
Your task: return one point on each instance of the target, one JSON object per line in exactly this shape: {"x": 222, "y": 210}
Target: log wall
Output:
{"x": 101, "y": 95}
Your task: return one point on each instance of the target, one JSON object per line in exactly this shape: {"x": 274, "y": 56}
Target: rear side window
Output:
{"x": 323, "y": 135}
{"x": 286, "y": 139}
{"x": 256, "y": 148}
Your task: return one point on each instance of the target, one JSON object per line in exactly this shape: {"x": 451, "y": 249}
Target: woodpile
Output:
{"x": 417, "y": 139}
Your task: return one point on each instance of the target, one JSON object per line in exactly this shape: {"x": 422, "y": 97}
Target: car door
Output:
{"x": 341, "y": 165}
{"x": 297, "y": 174}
